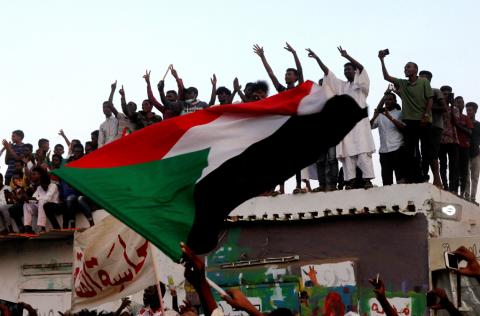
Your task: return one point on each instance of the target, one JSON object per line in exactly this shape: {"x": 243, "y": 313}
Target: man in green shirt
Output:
{"x": 417, "y": 100}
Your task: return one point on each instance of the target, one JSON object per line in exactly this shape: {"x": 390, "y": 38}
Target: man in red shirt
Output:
{"x": 464, "y": 130}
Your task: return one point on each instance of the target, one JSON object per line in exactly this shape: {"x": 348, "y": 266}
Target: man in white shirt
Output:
{"x": 108, "y": 130}
{"x": 387, "y": 120}
{"x": 355, "y": 150}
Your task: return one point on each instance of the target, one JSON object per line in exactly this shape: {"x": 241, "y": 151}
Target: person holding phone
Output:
{"x": 417, "y": 100}
{"x": 387, "y": 120}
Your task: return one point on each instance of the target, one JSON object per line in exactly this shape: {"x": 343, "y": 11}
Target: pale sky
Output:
{"x": 58, "y": 58}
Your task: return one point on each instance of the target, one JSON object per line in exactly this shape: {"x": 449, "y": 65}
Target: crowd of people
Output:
{"x": 437, "y": 298}
{"x": 428, "y": 132}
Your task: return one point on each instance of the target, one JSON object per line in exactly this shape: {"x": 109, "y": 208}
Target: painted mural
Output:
{"x": 317, "y": 288}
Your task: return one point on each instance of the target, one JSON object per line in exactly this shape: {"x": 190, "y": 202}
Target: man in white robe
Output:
{"x": 356, "y": 149}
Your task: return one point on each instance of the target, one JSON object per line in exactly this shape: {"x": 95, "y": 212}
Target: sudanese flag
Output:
{"x": 177, "y": 180}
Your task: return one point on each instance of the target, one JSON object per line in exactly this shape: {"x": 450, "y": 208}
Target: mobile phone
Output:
{"x": 385, "y": 52}
{"x": 451, "y": 261}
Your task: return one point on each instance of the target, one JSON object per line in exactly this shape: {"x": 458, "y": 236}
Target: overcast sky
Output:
{"x": 58, "y": 58}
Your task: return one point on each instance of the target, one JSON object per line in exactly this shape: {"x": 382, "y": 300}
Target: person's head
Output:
{"x": 94, "y": 136}
{"x": 17, "y": 136}
{"x": 43, "y": 144}
{"x": 39, "y": 176}
{"x": 132, "y": 107}
{"x": 19, "y": 164}
{"x": 349, "y": 71}
{"x": 447, "y": 92}
{"x": 472, "y": 108}
{"x": 88, "y": 147}
{"x": 106, "y": 109}
{"x": 58, "y": 149}
{"x": 459, "y": 103}
{"x": 171, "y": 96}
{"x": 17, "y": 178}
{"x": 411, "y": 69}
{"x": 425, "y": 74}
{"x": 150, "y": 296}
{"x": 260, "y": 90}
{"x": 77, "y": 151}
{"x": 248, "y": 90}
{"x": 390, "y": 101}
{"x": 147, "y": 106}
{"x": 191, "y": 93}
{"x": 56, "y": 161}
{"x": 223, "y": 95}
{"x": 27, "y": 150}
{"x": 75, "y": 142}
{"x": 291, "y": 76}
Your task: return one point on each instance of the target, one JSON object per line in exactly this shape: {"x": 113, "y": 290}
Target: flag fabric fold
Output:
{"x": 177, "y": 180}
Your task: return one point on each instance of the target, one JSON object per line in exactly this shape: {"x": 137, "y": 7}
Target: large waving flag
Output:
{"x": 177, "y": 180}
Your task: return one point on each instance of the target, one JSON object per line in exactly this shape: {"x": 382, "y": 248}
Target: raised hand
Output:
{"x": 378, "y": 287}
{"x": 473, "y": 267}
{"x": 174, "y": 72}
{"x": 161, "y": 85}
{"x": 114, "y": 85}
{"x": 61, "y": 133}
{"x": 312, "y": 274}
{"x": 381, "y": 54}
{"x": 194, "y": 267}
{"x": 311, "y": 54}
{"x": 122, "y": 92}
{"x": 146, "y": 76}
{"x": 213, "y": 80}
{"x": 236, "y": 86}
{"x": 342, "y": 51}
{"x": 258, "y": 50}
{"x": 5, "y": 143}
{"x": 289, "y": 48}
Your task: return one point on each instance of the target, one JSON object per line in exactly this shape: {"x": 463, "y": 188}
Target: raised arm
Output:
{"x": 350, "y": 59}
{"x": 128, "y": 112}
{"x": 213, "y": 96}
{"x": 180, "y": 85}
{"x": 298, "y": 65}
{"x": 259, "y": 51}
{"x": 379, "y": 290}
{"x": 386, "y": 76}
{"x": 110, "y": 98}
{"x": 377, "y": 112}
{"x": 62, "y": 133}
{"x": 10, "y": 152}
{"x": 237, "y": 88}
{"x": 150, "y": 95}
{"x": 324, "y": 68}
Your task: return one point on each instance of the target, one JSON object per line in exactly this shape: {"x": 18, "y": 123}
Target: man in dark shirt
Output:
{"x": 464, "y": 130}
{"x": 15, "y": 151}
{"x": 180, "y": 107}
{"x": 474, "y": 165}
{"x": 292, "y": 76}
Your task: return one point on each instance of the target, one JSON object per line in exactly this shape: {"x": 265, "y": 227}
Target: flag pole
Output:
{"x": 216, "y": 287}
{"x": 157, "y": 277}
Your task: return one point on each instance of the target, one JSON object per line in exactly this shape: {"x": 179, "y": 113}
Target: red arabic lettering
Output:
{"x": 111, "y": 250}
{"x": 141, "y": 252}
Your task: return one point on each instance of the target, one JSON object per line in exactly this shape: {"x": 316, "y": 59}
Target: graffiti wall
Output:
{"x": 326, "y": 278}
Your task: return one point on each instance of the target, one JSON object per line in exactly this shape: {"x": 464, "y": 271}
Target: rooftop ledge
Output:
{"x": 407, "y": 199}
